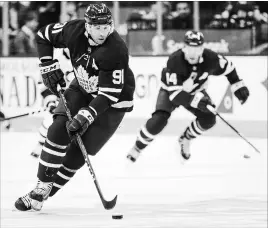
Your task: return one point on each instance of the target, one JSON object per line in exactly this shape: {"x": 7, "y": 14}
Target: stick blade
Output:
{"x": 108, "y": 205}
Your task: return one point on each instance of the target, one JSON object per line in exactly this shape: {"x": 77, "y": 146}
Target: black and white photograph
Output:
{"x": 133, "y": 114}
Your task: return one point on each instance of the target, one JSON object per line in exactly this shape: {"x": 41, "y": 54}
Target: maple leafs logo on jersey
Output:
{"x": 90, "y": 84}
{"x": 93, "y": 83}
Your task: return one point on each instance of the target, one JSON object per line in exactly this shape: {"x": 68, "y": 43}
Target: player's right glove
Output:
{"x": 200, "y": 101}
{"x": 51, "y": 102}
{"x": 81, "y": 122}
{"x": 52, "y": 75}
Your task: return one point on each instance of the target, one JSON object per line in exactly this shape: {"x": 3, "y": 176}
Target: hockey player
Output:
{"x": 184, "y": 82}
{"x": 50, "y": 100}
{"x": 98, "y": 97}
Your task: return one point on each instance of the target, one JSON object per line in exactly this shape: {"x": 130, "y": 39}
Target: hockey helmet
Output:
{"x": 194, "y": 38}
{"x": 98, "y": 14}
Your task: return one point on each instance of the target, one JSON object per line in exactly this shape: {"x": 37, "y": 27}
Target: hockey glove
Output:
{"x": 51, "y": 102}
{"x": 52, "y": 75}
{"x": 200, "y": 101}
{"x": 240, "y": 91}
{"x": 81, "y": 122}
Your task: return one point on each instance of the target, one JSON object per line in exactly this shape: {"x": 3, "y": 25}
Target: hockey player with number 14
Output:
{"x": 184, "y": 82}
{"x": 98, "y": 97}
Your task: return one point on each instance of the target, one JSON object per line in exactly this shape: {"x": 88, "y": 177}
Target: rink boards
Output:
{"x": 20, "y": 93}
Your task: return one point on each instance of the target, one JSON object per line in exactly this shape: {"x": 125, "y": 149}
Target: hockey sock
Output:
{"x": 62, "y": 177}
{"x": 50, "y": 160}
{"x": 144, "y": 138}
{"x": 193, "y": 130}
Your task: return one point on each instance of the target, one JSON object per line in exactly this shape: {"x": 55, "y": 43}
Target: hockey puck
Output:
{"x": 117, "y": 216}
{"x": 246, "y": 156}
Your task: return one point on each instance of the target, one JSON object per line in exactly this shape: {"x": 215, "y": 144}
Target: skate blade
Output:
{"x": 183, "y": 160}
{"x": 36, "y": 205}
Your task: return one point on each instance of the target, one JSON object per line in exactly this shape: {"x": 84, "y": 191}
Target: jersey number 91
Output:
{"x": 118, "y": 76}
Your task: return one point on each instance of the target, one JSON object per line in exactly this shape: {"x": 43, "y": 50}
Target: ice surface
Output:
{"x": 216, "y": 188}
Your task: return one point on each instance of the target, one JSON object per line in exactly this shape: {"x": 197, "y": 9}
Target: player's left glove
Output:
{"x": 81, "y": 121}
{"x": 52, "y": 75}
{"x": 240, "y": 91}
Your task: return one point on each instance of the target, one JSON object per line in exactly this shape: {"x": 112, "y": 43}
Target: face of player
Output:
{"x": 99, "y": 33}
{"x": 193, "y": 53}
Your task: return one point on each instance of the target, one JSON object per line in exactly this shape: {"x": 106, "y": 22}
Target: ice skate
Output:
{"x": 34, "y": 200}
{"x": 133, "y": 154}
{"x": 185, "y": 149}
{"x": 24, "y": 203}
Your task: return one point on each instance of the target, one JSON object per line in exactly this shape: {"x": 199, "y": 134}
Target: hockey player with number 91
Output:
{"x": 184, "y": 83}
{"x": 98, "y": 97}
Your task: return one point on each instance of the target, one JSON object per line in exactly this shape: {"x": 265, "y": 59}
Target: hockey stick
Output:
{"x": 210, "y": 108}
{"x": 24, "y": 114}
{"x": 106, "y": 204}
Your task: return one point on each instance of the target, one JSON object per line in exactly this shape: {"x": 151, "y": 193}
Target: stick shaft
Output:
{"x": 243, "y": 137}
{"x": 236, "y": 131}
{"x": 24, "y": 114}
{"x": 107, "y": 204}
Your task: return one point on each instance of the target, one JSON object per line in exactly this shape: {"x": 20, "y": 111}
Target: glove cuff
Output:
{"x": 236, "y": 86}
{"x": 196, "y": 99}
{"x": 49, "y": 66}
{"x": 89, "y": 113}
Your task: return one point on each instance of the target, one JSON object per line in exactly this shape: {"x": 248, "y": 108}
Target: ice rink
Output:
{"x": 217, "y": 188}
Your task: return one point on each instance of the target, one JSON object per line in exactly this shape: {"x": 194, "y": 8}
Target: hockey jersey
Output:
{"x": 100, "y": 71}
{"x": 182, "y": 80}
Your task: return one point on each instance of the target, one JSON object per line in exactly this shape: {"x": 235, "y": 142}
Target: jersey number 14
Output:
{"x": 171, "y": 78}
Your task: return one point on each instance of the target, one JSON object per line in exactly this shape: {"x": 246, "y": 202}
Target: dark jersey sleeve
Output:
{"x": 52, "y": 35}
{"x": 112, "y": 66}
{"x": 111, "y": 76}
{"x": 224, "y": 66}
